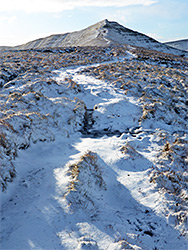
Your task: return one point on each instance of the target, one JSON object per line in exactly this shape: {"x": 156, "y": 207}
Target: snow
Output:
{"x": 89, "y": 190}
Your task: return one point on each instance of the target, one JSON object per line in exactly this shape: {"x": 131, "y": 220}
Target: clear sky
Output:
{"x": 25, "y": 20}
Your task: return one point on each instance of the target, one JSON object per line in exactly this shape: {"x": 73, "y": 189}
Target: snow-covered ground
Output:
{"x": 93, "y": 188}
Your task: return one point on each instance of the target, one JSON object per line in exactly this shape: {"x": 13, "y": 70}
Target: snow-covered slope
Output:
{"x": 95, "y": 142}
{"x": 180, "y": 44}
{"x": 104, "y": 33}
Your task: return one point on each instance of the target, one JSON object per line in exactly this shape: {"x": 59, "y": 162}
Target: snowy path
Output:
{"x": 128, "y": 213}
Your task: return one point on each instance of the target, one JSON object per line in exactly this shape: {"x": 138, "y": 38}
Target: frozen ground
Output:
{"x": 93, "y": 188}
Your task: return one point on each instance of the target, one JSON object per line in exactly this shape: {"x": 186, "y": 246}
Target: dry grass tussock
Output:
{"x": 85, "y": 182}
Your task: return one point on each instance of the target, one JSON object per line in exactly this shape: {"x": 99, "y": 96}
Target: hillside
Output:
{"x": 93, "y": 149}
{"x": 104, "y": 33}
{"x": 180, "y": 44}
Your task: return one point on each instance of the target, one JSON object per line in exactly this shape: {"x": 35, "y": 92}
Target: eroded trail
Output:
{"x": 91, "y": 189}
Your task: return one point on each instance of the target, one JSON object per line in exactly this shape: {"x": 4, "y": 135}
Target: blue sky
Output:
{"x": 25, "y": 20}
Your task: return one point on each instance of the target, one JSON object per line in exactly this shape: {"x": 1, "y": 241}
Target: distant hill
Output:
{"x": 101, "y": 34}
{"x": 180, "y": 44}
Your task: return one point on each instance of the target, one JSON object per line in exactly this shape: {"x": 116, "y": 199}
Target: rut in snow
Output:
{"x": 87, "y": 130}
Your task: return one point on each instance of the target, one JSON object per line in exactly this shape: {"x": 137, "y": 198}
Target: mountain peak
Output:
{"x": 104, "y": 21}
{"x": 101, "y": 34}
